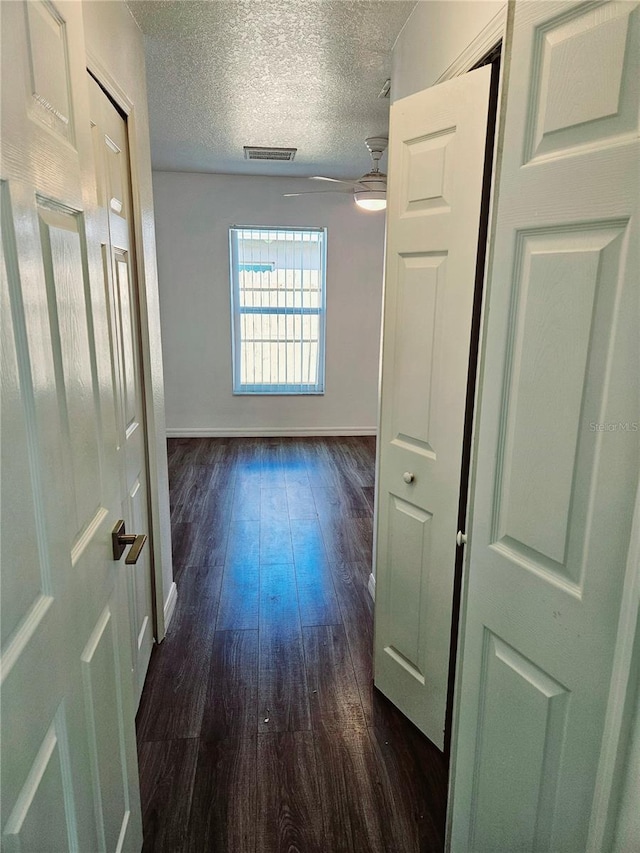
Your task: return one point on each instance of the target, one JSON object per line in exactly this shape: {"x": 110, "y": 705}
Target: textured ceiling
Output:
{"x": 227, "y": 73}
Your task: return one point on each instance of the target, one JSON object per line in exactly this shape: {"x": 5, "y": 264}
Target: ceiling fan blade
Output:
{"x": 333, "y": 180}
{"x": 313, "y": 192}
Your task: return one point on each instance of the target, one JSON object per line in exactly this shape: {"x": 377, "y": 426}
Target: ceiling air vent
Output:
{"x": 253, "y": 152}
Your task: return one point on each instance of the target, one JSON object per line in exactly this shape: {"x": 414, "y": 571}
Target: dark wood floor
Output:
{"x": 259, "y": 728}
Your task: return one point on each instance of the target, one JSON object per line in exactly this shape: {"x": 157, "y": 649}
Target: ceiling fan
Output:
{"x": 369, "y": 191}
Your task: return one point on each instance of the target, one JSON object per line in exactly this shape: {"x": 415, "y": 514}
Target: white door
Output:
{"x": 114, "y": 201}
{"x": 69, "y": 771}
{"x": 436, "y": 165}
{"x": 557, "y": 452}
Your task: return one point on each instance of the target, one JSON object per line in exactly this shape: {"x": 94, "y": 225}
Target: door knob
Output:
{"x": 408, "y": 477}
{"x": 461, "y": 538}
{"x": 120, "y": 540}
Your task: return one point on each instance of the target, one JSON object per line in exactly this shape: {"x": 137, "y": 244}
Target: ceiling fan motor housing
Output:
{"x": 374, "y": 181}
{"x": 370, "y": 192}
{"x": 377, "y": 145}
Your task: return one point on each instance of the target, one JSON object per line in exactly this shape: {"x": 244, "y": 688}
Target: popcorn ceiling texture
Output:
{"x": 301, "y": 73}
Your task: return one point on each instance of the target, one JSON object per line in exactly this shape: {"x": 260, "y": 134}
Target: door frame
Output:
{"x": 493, "y": 58}
{"x": 500, "y": 30}
{"x": 160, "y": 549}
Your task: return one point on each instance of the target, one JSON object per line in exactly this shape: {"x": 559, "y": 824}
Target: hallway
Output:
{"x": 259, "y": 729}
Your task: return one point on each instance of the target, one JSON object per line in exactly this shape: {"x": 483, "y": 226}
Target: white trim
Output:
{"x": 371, "y": 586}
{"x": 606, "y": 798}
{"x": 487, "y": 39}
{"x": 265, "y": 432}
{"x": 170, "y": 605}
{"x": 237, "y": 258}
{"x": 108, "y": 83}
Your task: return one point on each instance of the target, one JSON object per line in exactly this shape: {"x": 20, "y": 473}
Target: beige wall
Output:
{"x": 193, "y": 215}
{"x": 434, "y": 36}
{"x": 115, "y": 54}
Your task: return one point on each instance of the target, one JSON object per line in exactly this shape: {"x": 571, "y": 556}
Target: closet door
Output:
{"x": 557, "y": 448}
{"x": 436, "y": 169}
{"x": 115, "y": 223}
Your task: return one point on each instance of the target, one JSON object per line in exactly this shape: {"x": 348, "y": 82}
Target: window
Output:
{"x": 278, "y": 309}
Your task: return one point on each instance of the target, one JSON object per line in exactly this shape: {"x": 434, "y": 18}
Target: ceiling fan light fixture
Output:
{"x": 372, "y": 192}
{"x": 370, "y": 199}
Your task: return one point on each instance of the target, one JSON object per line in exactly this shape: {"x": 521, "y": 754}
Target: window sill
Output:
{"x": 276, "y": 392}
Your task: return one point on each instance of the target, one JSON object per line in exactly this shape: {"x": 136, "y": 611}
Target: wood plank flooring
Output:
{"x": 259, "y": 729}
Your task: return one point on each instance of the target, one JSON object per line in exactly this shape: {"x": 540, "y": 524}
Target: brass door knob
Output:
{"x": 120, "y": 539}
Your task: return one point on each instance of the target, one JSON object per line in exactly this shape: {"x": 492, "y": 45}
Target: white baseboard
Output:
{"x": 371, "y": 586}
{"x": 266, "y": 432}
{"x": 170, "y": 605}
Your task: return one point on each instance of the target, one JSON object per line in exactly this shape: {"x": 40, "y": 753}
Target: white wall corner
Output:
{"x": 371, "y": 586}
{"x": 170, "y": 605}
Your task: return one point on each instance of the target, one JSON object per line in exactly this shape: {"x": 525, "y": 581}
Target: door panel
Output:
{"x": 409, "y": 530}
{"x": 540, "y": 703}
{"x": 557, "y": 447}
{"x": 59, "y": 480}
{"x": 102, "y": 681}
{"x": 44, "y": 799}
{"x": 436, "y": 153}
{"x": 420, "y": 279}
{"x": 116, "y": 240}
{"x": 565, "y": 290}
{"x": 26, "y": 595}
{"x": 62, "y": 239}
{"x": 130, "y": 391}
{"x": 140, "y": 593}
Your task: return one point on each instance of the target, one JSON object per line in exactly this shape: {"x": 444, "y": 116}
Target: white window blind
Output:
{"x": 278, "y": 309}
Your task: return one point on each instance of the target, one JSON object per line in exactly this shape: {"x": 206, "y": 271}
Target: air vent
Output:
{"x": 279, "y": 154}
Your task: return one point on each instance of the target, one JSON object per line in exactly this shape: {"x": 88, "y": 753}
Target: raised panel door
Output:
{"x": 116, "y": 239}
{"x": 59, "y": 483}
{"x": 436, "y": 166}
{"x": 558, "y": 446}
